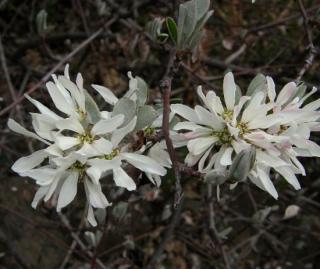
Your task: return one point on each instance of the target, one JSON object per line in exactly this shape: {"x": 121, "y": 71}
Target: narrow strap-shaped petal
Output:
{"x": 29, "y": 162}
{"x": 119, "y": 134}
{"x": 107, "y": 126}
{"x": 106, "y": 94}
{"x": 144, "y": 163}
{"x": 68, "y": 190}
{"x": 229, "y": 90}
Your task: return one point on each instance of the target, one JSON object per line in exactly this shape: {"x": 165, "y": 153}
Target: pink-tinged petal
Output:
{"x": 229, "y": 90}
{"x": 287, "y": 92}
{"x": 271, "y": 89}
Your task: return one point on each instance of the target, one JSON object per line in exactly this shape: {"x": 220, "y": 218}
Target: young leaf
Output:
{"x": 91, "y": 108}
{"x": 172, "y": 28}
{"x": 145, "y": 116}
{"x": 126, "y": 107}
{"x": 142, "y": 92}
{"x": 257, "y": 84}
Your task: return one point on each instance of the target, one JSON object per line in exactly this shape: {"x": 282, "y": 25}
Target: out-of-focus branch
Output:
{"x": 313, "y": 50}
{"x": 58, "y": 65}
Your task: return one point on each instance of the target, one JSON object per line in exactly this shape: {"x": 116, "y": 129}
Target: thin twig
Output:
{"x": 58, "y": 65}
{"x": 313, "y": 50}
{"x": 166, "y": 93}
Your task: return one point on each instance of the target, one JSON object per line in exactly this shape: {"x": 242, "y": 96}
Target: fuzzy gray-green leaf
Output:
{"x": 145, "y": 116}
{"x": 172, "y": 29}
{"x": 126, "y": 107}
{"x": 91, "y": 108}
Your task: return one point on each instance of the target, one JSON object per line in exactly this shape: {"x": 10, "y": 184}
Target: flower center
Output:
{"x": 227, "y": 115}
{"x": 86, "y": 138}
{"x": 113, "y": 154}
{"x": 223, "y": 136}
{"x": 80, "y": 168}
{"x": 243, "y": 127}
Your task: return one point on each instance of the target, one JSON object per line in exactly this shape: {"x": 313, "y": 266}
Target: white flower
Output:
{"x": 118, "y": 156}
{"x": 277, "y": 127}
{"x": 80, "y": 148}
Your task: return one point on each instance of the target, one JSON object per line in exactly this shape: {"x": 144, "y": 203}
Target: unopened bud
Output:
{"x": 216, "y": 177}
{"x": 242, "y": 164}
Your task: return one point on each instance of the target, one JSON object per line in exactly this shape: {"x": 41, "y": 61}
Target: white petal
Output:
{"x": 271, "y": 89}
{"x": 99, "y": 166}
{"x": 43, "y": 176}
{"x": 16, "y": 127}
{"x": 106, "y": 94}
{"x": 26, "y": 163}
{"x": 267, "y": 183}
{"x": 102, "y": 146}
{"x": 269, "y": 160}
{"x": 122, "y": 179}
{"x": 254, "y": 107}
{"x": 71, "y": 124}
{"x": 61, "y": 98}
{"x": 215, "y": 103}
{"x": 185, "y": 112}
{"x": 90, "y": 217}
{"x": 203, "y": 160}
{"x": 107, "y": 126}
{"x": 42, "y": 108}
{"x": 144, "y": 163}
{"x": 95, "y": 195}
{"x": 68, "y": 191}
{"x": 66, "y": 71}
{"x": 73, "y": 89}
{"x": 226, "y": 157}
{"x": 185, "y": 125}
{"x": 67, "y": 142}
{"x": 119, "y": 134}
{"x": 199, "y": 145}
{"x": 286, "y": 93}
{"x": 289, "y": 176}
{"x": 208, "y": 118}
{"x": 229, "y": 90}
{"x": 41, "y": 192}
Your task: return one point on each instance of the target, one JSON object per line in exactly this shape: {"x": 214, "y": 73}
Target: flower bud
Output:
{"x": 41, "y": 21}
{"x": 216, "y": 177}
{"x": 242, "y": 164}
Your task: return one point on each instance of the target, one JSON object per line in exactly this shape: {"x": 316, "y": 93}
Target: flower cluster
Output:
{"x": 277, "y": 127}
{"x": 85, "y": 144}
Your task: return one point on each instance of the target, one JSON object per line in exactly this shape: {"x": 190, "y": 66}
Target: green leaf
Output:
{"x": 126, "y": 107}
{"x": 142, "y": 92}
{"x": 91, "y": 108}
{"x": 145, "y": 116}
{"x": 259, "y": 83}
{"x": 172, "y": 28}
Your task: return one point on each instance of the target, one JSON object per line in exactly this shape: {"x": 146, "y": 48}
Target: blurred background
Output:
{"x": 252, "y": 230}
